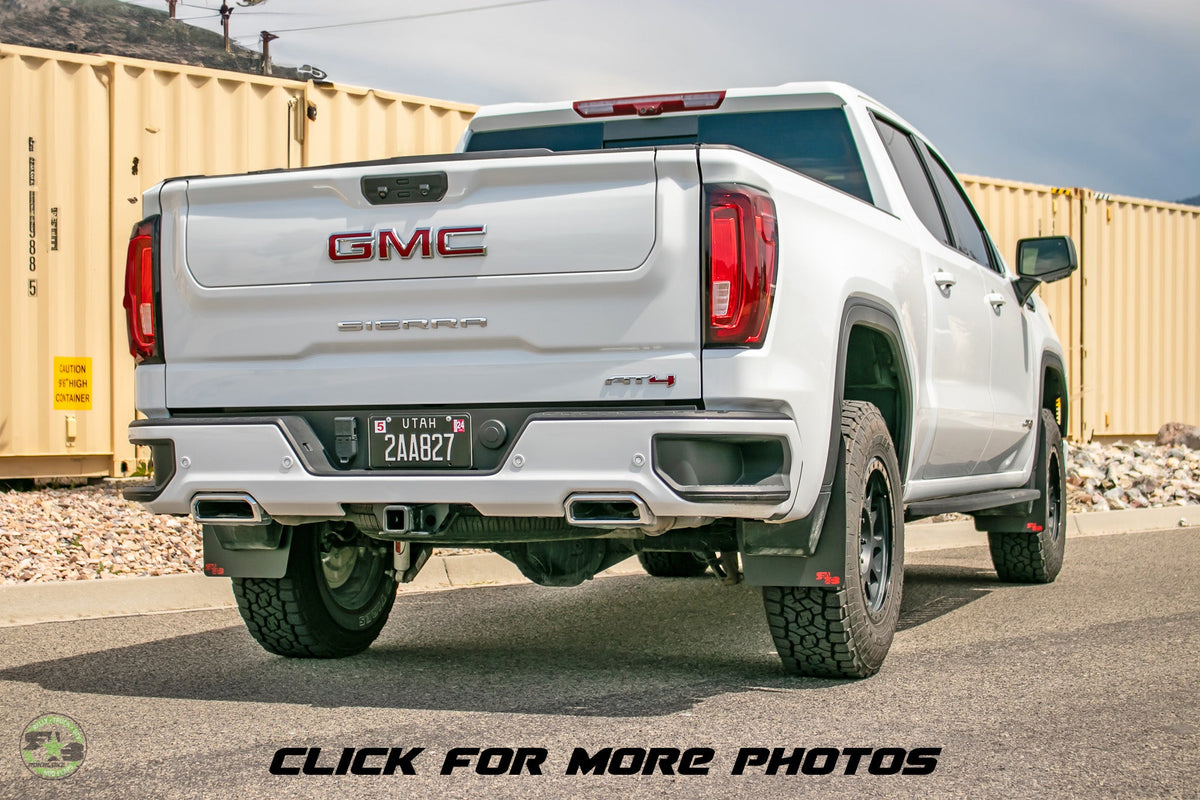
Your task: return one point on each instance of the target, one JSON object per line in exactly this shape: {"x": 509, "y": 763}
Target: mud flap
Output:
{"x": 766, "y": 560}
{"x": 822, "y": 568}
{"x": 246, "y": 551}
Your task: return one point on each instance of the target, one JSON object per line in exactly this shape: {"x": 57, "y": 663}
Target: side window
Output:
{"x": 969, "y": 237}
{"x": 913, "y": 178}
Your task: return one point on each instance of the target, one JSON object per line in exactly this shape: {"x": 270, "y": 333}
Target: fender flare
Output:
{"x": 792, "y": 553}
{"x": 1052, "y": 359}
{"x": 1049, "y": 359}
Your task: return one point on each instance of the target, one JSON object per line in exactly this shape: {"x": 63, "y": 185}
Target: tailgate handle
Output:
{"x": 388, "y": 190}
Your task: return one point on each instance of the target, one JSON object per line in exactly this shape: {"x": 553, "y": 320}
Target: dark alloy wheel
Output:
{"x": 1030, "y": 549}
{"x": 333, "y": 600}
{"x": 875, "y": 537}
{"x": 846, "y": 630}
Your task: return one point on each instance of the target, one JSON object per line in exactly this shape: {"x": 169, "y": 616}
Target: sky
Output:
{"x": 1103, "y": 94}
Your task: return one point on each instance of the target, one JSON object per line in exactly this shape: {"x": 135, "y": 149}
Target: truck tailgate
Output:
{"x": 534, "y": 279}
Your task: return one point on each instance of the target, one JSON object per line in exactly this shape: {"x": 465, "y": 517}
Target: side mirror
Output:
{"x": 1044, "y": 259}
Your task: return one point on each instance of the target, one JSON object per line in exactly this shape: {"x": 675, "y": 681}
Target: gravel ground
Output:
{"x": 89, "y": 532}
{"x": 67, "y": 534}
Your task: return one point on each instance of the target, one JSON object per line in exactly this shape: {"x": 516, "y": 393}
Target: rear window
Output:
{"x": 813, "y": 142}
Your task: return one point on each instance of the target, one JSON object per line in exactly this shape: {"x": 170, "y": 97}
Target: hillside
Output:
{"x": 113, "y": 28}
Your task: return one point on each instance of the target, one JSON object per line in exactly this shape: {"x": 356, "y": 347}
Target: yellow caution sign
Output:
{"x": 72, "y": 384}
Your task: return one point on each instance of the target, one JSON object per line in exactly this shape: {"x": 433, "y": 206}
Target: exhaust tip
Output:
{"x": 228, "y": 509}
{"x": 625, "y": 510}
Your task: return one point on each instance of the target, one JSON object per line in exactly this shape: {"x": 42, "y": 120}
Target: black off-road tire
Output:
{"x": 1033, "y": 553}
{"x": 672, "y": 565}
{"x": 845, "y": 631}
{"x": 308, "y": 614}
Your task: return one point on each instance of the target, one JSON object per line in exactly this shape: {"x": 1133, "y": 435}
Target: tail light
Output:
{"x": 742, "y": 255}
{"x": 141, "y": 299}
{"x": 649, "y": 106}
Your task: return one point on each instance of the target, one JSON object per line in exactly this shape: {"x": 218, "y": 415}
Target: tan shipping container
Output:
{"x": 358, "y": 124}
{"x": 85, "y": 137}
{"x": 54, "y": 237}
{"x": 1141, "y": 295}
{"x": 1127, "y": 318}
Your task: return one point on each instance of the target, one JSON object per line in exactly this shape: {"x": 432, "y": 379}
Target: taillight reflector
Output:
{"x": 140, "y": 300}
{"x": 649, "y": 106}
{"x": 742, "y": 256}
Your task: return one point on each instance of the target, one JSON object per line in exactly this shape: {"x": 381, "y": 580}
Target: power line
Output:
{"x": 410, "y": 16}
{"x": 250, "y": 10}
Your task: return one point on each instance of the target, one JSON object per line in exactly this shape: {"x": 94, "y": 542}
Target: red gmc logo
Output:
{"x": 366, "y": 245}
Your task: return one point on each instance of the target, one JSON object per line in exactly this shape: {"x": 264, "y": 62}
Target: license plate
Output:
{"x": 420, "y": 441}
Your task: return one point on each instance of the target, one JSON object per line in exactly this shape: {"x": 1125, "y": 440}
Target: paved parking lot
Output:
{"x": 1087, "y": 686}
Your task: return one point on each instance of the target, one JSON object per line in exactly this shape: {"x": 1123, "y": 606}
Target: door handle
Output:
{"x": 944, "y": 280}
{"x": 997, "y": 300}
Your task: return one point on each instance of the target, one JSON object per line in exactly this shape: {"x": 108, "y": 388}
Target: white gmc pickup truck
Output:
{"x": 751, "y": 331}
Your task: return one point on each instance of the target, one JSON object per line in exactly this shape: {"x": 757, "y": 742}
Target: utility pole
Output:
{"x": 171, "y": 5}
{"x": 267, "y": 38}
{"x": 226, "y": 10}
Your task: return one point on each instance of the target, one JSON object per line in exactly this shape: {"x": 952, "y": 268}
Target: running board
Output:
{"x": 965, "y": 503}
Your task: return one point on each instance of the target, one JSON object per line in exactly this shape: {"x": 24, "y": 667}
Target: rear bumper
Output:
{"x": 552, "y": 459}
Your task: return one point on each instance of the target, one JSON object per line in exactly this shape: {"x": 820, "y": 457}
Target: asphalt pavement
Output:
{"x": 1085, "y": 687}
{"x": 24, "y": 604}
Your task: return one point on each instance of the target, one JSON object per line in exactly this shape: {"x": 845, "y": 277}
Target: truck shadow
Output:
{"x": 934, "y": 590}
{"x": 623, "y": 646}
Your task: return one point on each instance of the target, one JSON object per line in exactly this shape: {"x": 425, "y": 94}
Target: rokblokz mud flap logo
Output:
{"x": 53, "y": 746}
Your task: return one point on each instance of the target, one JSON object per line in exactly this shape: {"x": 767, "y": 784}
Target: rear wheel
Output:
{"x": 1032, "y": 552}
{"x": 846, "y": 630}
{"x": 333, "y": 600}
{"x": 672, "y": 565}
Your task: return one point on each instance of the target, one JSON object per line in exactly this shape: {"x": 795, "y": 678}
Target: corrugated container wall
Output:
{"x": 84, "y": 138}
{"x": 1141, "y": 297}
{"x": 54, "y": 243}
{"x": 360, "y": 124}
{"x": 1128, "y": 317}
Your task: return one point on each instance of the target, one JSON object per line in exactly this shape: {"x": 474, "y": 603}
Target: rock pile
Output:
{"x": 1139, "y": 475}
{"x": 90, "y": 532}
